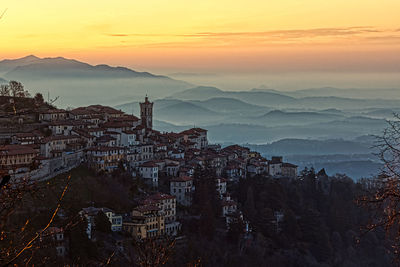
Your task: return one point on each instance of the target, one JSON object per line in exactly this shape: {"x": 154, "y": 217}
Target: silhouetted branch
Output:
{"x": 11, "y": 195}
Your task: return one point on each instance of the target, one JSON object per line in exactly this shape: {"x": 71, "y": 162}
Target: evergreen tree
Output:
{"x": 236, "y": 229}
{"x": 102, "y": 223}
{"x": 206, "y": 200}
{"x": 249, "y": 205}
{"x": 39, "y": 100}
{"x": 80, "y": 247}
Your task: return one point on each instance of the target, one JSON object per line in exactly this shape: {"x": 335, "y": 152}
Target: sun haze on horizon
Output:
{"x": 242, "y": 36}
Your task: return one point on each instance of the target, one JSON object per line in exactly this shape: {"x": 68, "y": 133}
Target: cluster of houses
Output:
{"x": 107, "y": 139}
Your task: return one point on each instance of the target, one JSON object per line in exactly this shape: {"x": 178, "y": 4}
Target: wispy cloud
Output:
{"x": 137, "y": 35}
{"x": 259, "y": 38}
{"x": 385, "y": 39}
{"x": 291, "y": 33}
{"x": 280, "y": 33}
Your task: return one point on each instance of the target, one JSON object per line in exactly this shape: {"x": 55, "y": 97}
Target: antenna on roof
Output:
{"x": 51, "y": 101}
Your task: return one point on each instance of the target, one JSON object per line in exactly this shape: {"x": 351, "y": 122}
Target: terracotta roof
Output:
{"x": 129, "y": 132}
{"x": 21, "y": 135}
{"x": 95, "y": 129}
{"x": 161, "y": 196}
{"x": 148, "y": 164}
{"x": 289, "y": 165}
{"x": 234, "y": 148}
{"x": 16, "y": 150}
{"x": 58, "y": 137}
{"x": 105, "y": 138}
{"x": 182, "y": 179}
{"x": 126, "y": 117}
{"x": 193, "y": 131}
{"x": 116, "y": 124}
{"x": 82, "y": 133}
{"x": 81, "y": 111}
{"x": 105, "y": 148}
{"x": 145, "y": 208}
{"x": 172, "y": 164}
{"x": 53, "y": 111}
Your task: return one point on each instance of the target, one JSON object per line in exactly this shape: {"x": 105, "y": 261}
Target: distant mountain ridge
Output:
{"x": 313, "y": 147}
{"x": 230, "y": 119}
{"x": 60, "y": 67}
{"x": 356, "y": 93}
{"x": 78, "y": 83}
{"x": 9, "y": 64}
{"x": 272, "y": 98}
{"x": 186, "y": 113}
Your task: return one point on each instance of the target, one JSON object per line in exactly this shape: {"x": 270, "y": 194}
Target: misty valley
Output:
{"x": 303, "y": 125}
{"x": 125, "y": 168}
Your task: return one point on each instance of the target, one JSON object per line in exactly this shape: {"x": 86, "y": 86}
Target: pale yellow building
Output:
{"x": 146, "y": 222}
{"x": 15, "y": 156}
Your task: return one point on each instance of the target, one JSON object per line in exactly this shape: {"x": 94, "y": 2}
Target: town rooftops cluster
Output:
{"x": 106, "y": 139}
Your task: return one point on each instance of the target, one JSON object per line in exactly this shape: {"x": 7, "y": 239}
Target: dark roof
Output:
{"x": 149, "y": 164}
{"x": 182, "y": 179}
{"x": 16, "y": 150}
{"x": 289, "y": 165}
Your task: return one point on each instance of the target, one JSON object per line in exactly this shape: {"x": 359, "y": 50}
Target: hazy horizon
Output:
{"x": 281, "y": 81}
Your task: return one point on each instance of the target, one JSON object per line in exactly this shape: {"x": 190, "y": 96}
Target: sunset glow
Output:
{"x": 286, "y": 35}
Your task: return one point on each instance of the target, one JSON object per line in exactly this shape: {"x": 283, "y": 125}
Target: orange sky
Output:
{"x": 208, "y": 35}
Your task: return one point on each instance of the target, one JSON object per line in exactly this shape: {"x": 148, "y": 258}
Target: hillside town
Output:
{"x": 41, "y": 142}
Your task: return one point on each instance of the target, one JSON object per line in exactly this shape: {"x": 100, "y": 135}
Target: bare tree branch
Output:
{"x": 4, "y": 12}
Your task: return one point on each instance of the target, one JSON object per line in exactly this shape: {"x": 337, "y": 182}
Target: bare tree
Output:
{"x": 17, "y": 244}
{"x": 153, "y": 252}
{"x": 4, "y": 90}
{"x": 383, "y": 198}
{"x": 17, "y": 89}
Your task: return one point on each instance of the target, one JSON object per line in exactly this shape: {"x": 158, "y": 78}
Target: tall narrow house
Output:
{"x": 146, "y": 113}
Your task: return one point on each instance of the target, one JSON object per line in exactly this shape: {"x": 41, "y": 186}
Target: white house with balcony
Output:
{"x": 128, "y": 138}
{"x": 182, "y": 187}
{"x": 149, "y": 172}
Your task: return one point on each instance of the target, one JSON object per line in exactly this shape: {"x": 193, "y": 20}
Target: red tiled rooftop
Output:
{"x": 149, "y": 164}
{"x": 16, "y": 150}
{"x": 182, "y": 179}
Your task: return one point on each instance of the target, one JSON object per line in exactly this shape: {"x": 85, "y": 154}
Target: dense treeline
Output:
{"x": 321, "y": 226}
{"x": 321, "y": 223}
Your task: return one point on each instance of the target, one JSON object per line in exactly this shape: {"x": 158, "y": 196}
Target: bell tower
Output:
{"x": 146, "y": 113}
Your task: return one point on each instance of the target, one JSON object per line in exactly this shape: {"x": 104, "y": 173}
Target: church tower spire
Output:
{"x": 146, "y": 113}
